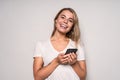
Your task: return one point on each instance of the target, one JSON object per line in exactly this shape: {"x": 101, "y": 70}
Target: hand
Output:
{"x": 62, "y": 58}
{"x": 72, "y": 58}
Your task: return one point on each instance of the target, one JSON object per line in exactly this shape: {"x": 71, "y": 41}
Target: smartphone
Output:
{"x": 70, "y": 50}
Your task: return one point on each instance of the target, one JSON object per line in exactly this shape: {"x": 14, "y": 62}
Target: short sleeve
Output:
{"x": 37, "y": 50}
{"x": 80, "y": 53}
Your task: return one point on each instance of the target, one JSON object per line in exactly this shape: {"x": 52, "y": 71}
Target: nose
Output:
{"x": 65, "y": 21}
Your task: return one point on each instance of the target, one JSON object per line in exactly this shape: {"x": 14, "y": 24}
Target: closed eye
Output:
{"x": 71, "y": 20}
{"x": 63, "y": 17}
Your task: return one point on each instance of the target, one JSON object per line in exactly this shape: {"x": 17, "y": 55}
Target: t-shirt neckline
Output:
{"x": 62, "y": 50}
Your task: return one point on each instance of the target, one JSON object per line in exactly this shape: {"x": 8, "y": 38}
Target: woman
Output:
{"x": 50, "y": 60}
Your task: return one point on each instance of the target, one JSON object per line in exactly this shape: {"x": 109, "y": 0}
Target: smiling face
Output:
{"x": 64, "y": 22}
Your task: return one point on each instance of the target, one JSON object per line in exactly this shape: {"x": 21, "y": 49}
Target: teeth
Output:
{"x": 64, "y": 26}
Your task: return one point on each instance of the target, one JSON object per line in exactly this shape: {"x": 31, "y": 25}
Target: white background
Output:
{"x": 23, "y": 23}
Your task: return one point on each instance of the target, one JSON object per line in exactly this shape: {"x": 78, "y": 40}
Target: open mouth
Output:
{"x": 63, "y": 26}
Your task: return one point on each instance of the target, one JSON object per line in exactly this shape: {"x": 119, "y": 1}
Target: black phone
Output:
{"x": 70, "y": 50}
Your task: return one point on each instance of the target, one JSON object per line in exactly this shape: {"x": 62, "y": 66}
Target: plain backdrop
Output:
{"x": 24, "y": 22}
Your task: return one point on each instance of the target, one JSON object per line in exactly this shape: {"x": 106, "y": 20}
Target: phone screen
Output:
{"x": 71, "y": 50}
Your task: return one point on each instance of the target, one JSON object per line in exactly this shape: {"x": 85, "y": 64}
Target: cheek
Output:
{"x": 70, "y": 28}
{"x": 57, "y": 22}
{"x": 70, "y": 25}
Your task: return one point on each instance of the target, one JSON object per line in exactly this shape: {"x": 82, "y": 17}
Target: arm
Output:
{"x": 42, "y": 72}
{"x": 80, "y": 68}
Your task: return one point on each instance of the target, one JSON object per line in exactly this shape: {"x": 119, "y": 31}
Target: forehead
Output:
{"x": 67, "y": 13}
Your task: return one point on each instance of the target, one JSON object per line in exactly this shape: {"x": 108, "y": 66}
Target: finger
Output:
{"x": 64, "y": 61}
{"x": 73, "y": 56}
{"x": 61, "y": 54}
{"x": 69, "y": 58}
{"x": 65, "y": 56}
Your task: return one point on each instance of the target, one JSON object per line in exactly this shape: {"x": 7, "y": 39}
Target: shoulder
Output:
{"x": 79, "y": 45}
{"x": 73, "y": 44}
{"x": 42, "y": 43}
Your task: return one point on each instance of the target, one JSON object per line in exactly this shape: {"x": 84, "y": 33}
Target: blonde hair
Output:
{"x": 74, "y": 33}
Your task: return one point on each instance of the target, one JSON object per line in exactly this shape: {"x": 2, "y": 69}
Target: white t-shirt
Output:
{"x": 45, "y": 50}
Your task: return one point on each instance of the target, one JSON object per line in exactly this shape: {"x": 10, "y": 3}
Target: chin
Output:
{"x": 62, "y": 32}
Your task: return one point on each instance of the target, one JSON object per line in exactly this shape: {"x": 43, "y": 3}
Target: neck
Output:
{"x": 59, "y": 36}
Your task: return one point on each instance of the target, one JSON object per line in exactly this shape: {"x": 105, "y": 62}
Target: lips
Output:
{"x": 63, "y": 26}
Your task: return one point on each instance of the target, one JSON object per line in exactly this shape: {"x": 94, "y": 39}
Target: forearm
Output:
{"x": 44, "y": 72}
{"x": 80, "y": 72}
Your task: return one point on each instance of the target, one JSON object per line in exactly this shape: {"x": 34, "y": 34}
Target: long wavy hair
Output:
{"x": 74, "y": 33}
